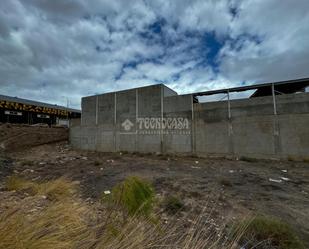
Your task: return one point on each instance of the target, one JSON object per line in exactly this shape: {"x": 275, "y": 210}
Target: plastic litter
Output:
{"x": 275, "y": 180}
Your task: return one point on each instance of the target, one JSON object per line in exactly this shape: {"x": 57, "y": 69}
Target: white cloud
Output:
{"x": 51, "y": 49}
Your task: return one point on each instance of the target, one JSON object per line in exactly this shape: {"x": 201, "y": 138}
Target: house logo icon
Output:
{"x": 127, "y": 125}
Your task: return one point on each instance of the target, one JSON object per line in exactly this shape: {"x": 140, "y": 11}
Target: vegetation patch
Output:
{"x": 54, "y": 190}
{"x": 269, "y": 233}
{"x": 172, "y": 204}
{"x": 134, "y": 195}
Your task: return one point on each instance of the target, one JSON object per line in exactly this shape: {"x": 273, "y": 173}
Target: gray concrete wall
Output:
{"x": 251, "y": 129}
{"x": 176, "y": 140}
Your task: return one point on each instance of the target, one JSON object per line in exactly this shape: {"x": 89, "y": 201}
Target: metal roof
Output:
{"x": 36, "y": 103}
{"x": 264, "y": 89}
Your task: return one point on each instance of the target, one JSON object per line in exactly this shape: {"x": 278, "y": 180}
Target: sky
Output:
{"x": 56, "y": 50}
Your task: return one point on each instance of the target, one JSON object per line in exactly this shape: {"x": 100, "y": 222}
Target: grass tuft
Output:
{"x": 134, "y": 195}
{"x": 54, "y": 190}
{"x": 59, "y": 226}
{"x": 15, "y": 183}
{"x": 172, "y": 204}
{"x": 267, "y": 233}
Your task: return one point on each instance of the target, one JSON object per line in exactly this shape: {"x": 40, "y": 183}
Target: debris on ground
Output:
{"x": 275, "y": 180}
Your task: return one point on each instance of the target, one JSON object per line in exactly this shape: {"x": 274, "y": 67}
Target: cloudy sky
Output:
{"x": 51, "y": 50}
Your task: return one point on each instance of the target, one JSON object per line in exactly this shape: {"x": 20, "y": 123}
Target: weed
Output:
{"x": 15, "y": 183}
{"x": 172, "y": 204}
{"x": 54, "y": 190}
{"x": 59, "y": 226}
{"x": 58, "y": 189}
{"x": 135, "y": 195}
{"x": 266, "y": 233}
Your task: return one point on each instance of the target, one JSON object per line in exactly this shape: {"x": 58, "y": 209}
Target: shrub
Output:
{"x": 266, "y": 233}
{"x": 173, "y": 204}
{"x": 135, "y": 195}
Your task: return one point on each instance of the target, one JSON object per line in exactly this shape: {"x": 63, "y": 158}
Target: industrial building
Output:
{"x": 23, "y": 111}
{"x": 273, "y": 122}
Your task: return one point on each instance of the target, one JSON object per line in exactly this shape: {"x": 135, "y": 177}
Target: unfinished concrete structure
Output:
{"x": 272, "y": 123}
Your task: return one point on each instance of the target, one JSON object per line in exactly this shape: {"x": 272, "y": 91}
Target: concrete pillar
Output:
{"x": 230, "y": 124}
{"x": 193, "y": 146}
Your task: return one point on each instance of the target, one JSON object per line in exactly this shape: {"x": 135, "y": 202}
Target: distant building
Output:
{"x": 23, "y": 111}
{"x": 271, "y": 121}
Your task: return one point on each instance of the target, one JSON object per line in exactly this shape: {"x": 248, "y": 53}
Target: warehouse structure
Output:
{"x": 273, "y": 122}
{"x": 17, "y": 110}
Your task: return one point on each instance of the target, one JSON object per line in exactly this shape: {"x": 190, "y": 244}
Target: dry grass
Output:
{"x": 67, "y": 225}
{"x": 269, "y": 233}
{"x": 58, "y": 226}
{"x": 67, "y": 222}
{"x": 54, "y": 190}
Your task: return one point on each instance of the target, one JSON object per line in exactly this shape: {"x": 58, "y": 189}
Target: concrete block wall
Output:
{"x": 251, "y": 129}
{"x": 174, "y": 140}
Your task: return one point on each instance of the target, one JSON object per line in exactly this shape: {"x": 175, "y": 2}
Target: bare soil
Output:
{"x": 15, "y": 137}
{"x": 233, "y": 188}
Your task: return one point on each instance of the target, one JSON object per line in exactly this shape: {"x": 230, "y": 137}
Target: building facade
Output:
{"x": 23, "y": 111}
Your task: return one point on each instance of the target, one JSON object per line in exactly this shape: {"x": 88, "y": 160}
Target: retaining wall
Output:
{"x": 251, "y": 128}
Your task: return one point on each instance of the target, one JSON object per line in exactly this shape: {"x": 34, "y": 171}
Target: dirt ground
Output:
{"x": 233, "y": 188}
{"x": 19, "y": 136}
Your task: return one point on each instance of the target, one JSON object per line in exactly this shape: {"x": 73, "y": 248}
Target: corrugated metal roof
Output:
{"x": 290, "y": 85}
{"x": 36, "y": 103}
